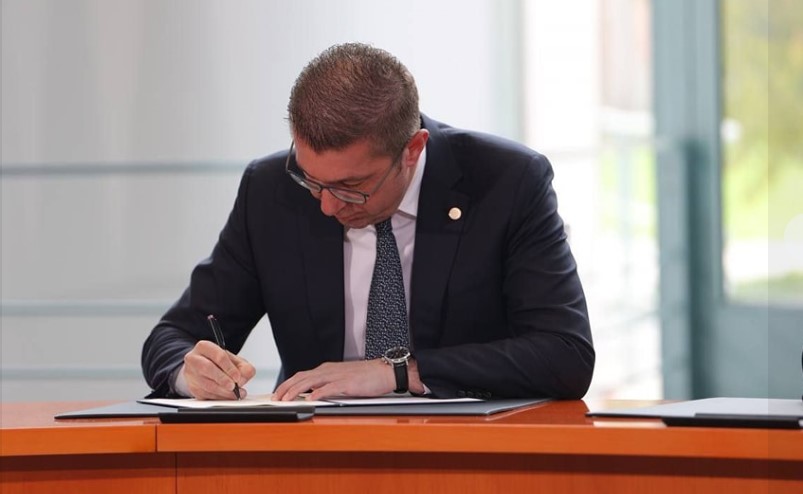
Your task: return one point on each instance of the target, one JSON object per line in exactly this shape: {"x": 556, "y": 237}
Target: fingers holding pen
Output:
{"x": 211, "y": 372}
{"x": 247, "y": 370}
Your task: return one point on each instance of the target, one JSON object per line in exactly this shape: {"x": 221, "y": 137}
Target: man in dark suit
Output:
{"x": 488, "y": 296}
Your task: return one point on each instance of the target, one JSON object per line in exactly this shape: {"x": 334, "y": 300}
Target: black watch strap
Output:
{"x": 400, "y": 370}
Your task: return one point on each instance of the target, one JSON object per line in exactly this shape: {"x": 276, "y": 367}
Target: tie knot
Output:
{"x": 384, "y": 227}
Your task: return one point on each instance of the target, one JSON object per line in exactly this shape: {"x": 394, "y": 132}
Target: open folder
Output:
{"x": 266, "y": 401}
{"x": 719, "y": 412}
{"x": 357, "y": 406}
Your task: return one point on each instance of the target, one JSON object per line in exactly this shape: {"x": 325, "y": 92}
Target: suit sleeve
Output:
{"x": 225, "y": 284}
{"x": 544, "y": 348}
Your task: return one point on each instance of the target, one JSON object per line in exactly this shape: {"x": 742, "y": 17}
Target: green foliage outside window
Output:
{"x": 763, "y": 100}
{"x": 762, "y": 76}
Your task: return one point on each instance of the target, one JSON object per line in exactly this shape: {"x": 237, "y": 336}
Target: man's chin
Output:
{"x": 356, "y": 223}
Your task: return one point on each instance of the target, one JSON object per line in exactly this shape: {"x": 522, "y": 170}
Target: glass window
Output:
{"x": 588, "y": 107}
{"x": 762, "y": 167}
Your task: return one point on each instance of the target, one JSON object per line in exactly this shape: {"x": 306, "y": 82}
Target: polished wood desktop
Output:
{"x": 546, "y": 448}
{"x": 42, "y": 455}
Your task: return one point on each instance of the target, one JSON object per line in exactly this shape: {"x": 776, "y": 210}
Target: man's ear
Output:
{"x": 414, "y": 147}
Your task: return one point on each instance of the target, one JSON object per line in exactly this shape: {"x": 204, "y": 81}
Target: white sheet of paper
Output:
{"x": 398, "y": 400}
{"x": 265, "y": 400}
{"x": 249, "y": 401}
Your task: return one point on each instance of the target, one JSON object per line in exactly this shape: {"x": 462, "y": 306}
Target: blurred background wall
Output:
{"x": 126, "y": 125}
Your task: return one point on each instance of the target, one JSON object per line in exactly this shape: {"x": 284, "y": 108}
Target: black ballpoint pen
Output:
{"x": 221, "y": 343}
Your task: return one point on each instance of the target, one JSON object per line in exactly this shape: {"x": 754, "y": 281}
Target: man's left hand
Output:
{"x": 363, "y": 378}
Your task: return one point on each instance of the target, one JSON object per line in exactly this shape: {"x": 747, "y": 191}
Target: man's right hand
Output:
{"x": 210, "y": 372}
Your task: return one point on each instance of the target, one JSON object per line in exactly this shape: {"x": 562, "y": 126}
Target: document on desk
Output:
{"x": 265, "y": 400}
{"x": 249, "y": 401}
{"x": 760, "y": 407}
{"x": 761, "y": 413}
{"x": 398, "y": 400}
{"x": 393, "y": 405}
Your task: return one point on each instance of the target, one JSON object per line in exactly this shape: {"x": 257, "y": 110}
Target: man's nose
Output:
{"x": 330, "y": 205}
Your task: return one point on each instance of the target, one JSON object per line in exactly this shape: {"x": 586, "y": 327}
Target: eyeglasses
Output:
{"x": 346, "y": 195}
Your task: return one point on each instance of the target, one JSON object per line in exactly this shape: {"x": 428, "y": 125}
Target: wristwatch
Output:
{"x": 397, "y": 357}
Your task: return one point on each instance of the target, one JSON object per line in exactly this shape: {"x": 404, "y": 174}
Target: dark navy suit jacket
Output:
{"x": 496, "y": 306}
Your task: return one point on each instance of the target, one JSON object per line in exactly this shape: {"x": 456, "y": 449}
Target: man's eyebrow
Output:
{"x": 356, "y": 178}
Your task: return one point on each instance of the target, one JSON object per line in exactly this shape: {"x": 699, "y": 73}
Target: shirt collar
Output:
{"x": 409, "y": 203}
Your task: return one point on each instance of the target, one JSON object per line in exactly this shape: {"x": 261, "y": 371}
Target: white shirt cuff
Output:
{"x": 180, "y": 384}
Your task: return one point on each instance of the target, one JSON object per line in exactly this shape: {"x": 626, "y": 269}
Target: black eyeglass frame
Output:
{"x": 346, "y": 195}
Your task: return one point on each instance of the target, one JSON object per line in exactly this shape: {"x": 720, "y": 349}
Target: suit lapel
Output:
{"x": 437, "y": 238}
{"x": 322, "y": 245}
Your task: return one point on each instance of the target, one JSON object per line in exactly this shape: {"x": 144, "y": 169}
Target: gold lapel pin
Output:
{"x": 455, "y": 213}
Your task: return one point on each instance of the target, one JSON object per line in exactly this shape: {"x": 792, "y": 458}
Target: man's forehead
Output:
{"x": 352, "y": 163}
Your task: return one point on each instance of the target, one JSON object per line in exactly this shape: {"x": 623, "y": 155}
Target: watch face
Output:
{"x": 397, "y": 353}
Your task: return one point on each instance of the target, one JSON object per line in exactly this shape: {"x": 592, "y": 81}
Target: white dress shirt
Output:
{"x": 359, "y": 256}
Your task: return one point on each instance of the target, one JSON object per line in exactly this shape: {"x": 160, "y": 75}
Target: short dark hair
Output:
{"x": 352, "y": 92}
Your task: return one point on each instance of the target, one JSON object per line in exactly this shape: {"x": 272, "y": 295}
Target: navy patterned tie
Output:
{"x": 387, "y": 311}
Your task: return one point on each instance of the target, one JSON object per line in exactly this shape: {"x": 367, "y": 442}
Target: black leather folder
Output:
{"x": 718, "y": 412}
{"x": 239, "y": 414}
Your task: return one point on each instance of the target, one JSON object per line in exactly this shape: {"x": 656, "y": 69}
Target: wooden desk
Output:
{"x": 42, "y": 455}
{"x": 548, "y": 448}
